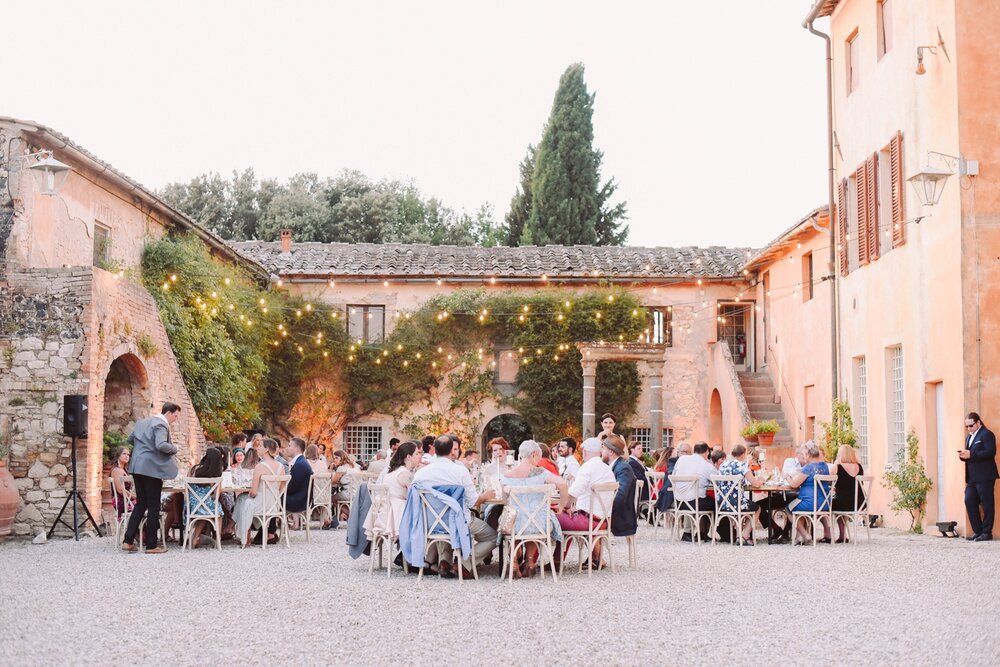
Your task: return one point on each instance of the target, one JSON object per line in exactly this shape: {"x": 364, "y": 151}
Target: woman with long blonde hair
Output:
{"x": 846, "y": 468}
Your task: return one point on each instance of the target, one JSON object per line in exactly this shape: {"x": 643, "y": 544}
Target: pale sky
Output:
{"x": 711, "y": 115}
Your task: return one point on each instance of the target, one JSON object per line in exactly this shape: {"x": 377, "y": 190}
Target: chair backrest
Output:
{"x": 201, "y": 495}
{"x": 653, "y": 480}
{"x": 600, "y": 494}
{"x": 435, "y": 518}
{"x": 638, "y": 492}
{"x": 532, "y": 506}
{"x": 321, "y": 489}
{"x": 823, "y": 492}
{"x": 862, "y": 492}
{"x": 275, "y": 490}
{"x": 729, "y": 493}
{"x": 684, "y": 505}
{"x": 120, "y": 502}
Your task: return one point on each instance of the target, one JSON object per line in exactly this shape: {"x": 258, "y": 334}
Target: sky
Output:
{"x": 711, "y": 115}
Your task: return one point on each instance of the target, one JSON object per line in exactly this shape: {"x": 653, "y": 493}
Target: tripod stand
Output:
{"x": 74, "y": 495}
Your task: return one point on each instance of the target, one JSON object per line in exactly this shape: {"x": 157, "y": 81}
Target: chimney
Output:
{"x": 286, "y": 241}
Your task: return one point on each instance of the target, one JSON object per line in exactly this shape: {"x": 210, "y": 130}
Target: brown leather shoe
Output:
{"x": 129, "y": 548}
{"x": 157, "y": 550}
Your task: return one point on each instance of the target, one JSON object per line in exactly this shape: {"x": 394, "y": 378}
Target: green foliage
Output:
{"x": 520, "y": 204}
{"x": 349, "y": 208}
{"x": 909, "y": 483}
{"x": 459, "y": 409}
{"x": 568, "y": 204}
{"x": 112, "y": 441}
{"x": 147, "y": 347}
{"x": 839, "y": 431}
{"x": 757, "y": 426}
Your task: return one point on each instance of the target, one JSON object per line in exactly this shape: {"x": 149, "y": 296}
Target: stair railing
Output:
{"x": 783, "y": 385}
{"x": 741, "y": 400}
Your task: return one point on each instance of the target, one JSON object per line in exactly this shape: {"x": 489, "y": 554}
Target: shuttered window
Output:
{"x": 861, "y": 206}
{"x": 898, "y": 213}
{"x": 871, "y": 216}
{"x": 842, "y": 226}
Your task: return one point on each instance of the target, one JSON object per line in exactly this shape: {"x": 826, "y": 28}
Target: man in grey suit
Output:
{"x": 152, "y": 462}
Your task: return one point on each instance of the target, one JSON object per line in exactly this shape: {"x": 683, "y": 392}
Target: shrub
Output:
{"x": 909, "y": 483}
{"x": 838, "y": 431}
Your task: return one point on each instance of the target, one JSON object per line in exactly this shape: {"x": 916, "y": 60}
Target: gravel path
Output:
{"x": 903, "y": 600}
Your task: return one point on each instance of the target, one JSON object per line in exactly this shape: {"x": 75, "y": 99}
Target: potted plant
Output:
{"x": 10, "y": 497}
{"x": 749, "y": 431}
{"x": 761, "y": 432}
{"x": 838, "y": 431}
{"x": 909, "y": 483}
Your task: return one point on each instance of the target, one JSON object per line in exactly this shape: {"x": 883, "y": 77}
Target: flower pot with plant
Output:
{"x": 749, "y": 432}
{"x": 10, "y": 497}
{"x": 761, "y": 431}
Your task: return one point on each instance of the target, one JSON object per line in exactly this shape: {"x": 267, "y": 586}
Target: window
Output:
{"x": 362, "y": 441}
{"x": 853, "y": 61}
{"x": 643, "y": 436}
{"x": 366, "y": 323}
{"x": 861, "y": 407}
{"x": 506, "y": 368}
{"x": 661, "y": 326}
{"x": 807, "y": 277}
{"x": 102, "y": 245}
{"x": 883, "y": 26}
{"x": 884, "y": 206}
{"x": 896, "y": 418}
{"x": 852, "y": 222}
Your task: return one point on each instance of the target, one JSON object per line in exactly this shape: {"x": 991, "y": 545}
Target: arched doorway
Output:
{"x": 511, "y": 427}
{"x": 125, "y": 397}
{"x": 715, "y": 419}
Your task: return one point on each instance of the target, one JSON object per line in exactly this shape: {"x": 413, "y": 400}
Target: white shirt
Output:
{"x": 693, "y": 464}
{"x": 294, "y": 459}
{"x": 164, "y": 418}
{"x": 378, "y": 465}
{"x": 972, "y": 438}
{"x": 568, "y": 466}
{"x": 442, "y": 471}
{"x": 593, "y": 471}
{"x": 791, "y": 467}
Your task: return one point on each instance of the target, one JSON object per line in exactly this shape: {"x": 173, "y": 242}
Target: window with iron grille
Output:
{"x": 861, "y": 407}
{"x": 661, "y": 326}
{"x": 897, "y": 416}
{"x": 366, "y": 323}
{"x": 102, "y": 245}
{"x": 362, "y": 442}
{"x": 643, "y": 436}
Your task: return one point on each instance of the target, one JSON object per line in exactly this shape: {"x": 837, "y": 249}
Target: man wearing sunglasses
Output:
{"x": 980, "y": 476}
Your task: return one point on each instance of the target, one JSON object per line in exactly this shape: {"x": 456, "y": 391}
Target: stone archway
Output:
{"x": 512, "y": 427}
{"x": 715, "y": 420}
{"x": 126, "y": 396}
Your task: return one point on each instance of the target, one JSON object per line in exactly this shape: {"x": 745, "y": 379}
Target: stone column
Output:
{"x": 589, "y": 397}
{"x": 655, "y": 404}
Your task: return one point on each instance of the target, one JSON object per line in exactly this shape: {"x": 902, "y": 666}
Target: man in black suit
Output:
{"x": 623, "y": 519}
{"x": 301, "y": 472}
{"x": 980, "y": 476}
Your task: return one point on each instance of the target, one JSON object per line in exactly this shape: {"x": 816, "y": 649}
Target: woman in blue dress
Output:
{"x": 807, "y": 500}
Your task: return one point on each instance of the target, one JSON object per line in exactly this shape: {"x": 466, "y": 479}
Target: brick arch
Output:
{"x": 126, "y": 396}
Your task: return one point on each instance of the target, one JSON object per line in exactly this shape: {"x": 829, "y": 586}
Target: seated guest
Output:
{"x": 344, "y": 471}
{"x": 312, "y": 456}
{"x": 623, "y": 519}
{"x": 398, "y": 476}
{"x": 393, "y": 446}
{"x": 582, "y": 508}
{"x": 443, "y": 472}
{"x": 238, "y": 456}
{"x": 209, "y": 468}
{"x": 530, "y": 471}
{"x": 847, "y": 468}
{"x": 807, "y": 500}
{"x": 378, "y": 464}
{"x": 498, "y": 448}
{"x": 470, "y": 459}
{"x": 546, "y": 461}
{"x": 696, "y": 493}
{"x": 638, "y": 469}
{"x": 124, "y": 496}
{"x": 567, "y": 463}
{"x": 238, "y": 441}
{"x": 427, "y": 447}
{"x": 663, "y": 461}
{"x": 249, "y": 504}
{"x": 297, "y": 498}
{"x": 793, "y": 464}
{"x": 257, "y": 443}
{"x": 737, "y": 465}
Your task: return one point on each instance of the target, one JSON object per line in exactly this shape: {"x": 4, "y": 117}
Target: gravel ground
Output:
{"x": 903, "y": 600}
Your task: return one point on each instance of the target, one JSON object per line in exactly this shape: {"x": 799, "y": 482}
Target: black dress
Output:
{"x": 843, "y": 499}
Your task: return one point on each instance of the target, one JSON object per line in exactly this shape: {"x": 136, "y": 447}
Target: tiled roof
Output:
{"x": 330, "y": 260}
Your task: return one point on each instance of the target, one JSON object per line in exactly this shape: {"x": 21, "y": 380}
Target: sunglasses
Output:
{"x": 970, "y": 426}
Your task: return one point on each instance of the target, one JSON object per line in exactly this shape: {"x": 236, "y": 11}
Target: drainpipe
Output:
{"x": 834, "y": 292}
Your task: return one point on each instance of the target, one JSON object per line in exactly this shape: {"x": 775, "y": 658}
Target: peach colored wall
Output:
{"x": 797, "y": 338}
{"x": 911, "y": 296}
{"x": 978, "y": 62}
{"x": 721, "y": 378}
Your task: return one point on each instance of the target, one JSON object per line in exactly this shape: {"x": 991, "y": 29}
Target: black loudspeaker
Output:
{"x": 75, "y": 415}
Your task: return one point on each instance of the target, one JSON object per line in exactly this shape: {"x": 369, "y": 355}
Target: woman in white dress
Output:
{"x": 252, "y": 503}
{"x": 397, "y": 478}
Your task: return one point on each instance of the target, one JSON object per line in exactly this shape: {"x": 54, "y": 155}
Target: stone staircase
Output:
{"x": 759, "y": 393}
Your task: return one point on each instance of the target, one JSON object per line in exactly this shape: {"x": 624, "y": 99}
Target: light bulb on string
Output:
{"x": 226, "y": 281}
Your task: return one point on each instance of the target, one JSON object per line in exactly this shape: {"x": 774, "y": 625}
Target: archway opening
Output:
{"x": 125, "y": 399}
{"x": 715, "y": 419}
{"x": 511, "y": 427}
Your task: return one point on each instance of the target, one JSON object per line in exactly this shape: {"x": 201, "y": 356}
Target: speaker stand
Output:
{"x": 74, "y": 496}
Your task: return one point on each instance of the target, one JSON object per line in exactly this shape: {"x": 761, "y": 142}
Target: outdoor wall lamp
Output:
{"x": 50, "y": 173}
{"x": 933, "y": 49}
{"x": 929, "y": 182}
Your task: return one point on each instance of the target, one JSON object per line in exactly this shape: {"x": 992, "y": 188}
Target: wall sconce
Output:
{"x": 50, "y": 173}
{"x": 933, "y": 49}
{"x": 929, "y": 182}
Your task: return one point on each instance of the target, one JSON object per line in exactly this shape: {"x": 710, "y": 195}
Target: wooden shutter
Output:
{"x": 861, "y": 181}
{"x": 896, "y": 169}
{"x": 842, "y": 226}
{"x": 871, "y": 176}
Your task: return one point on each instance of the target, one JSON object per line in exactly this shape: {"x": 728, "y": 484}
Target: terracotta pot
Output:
{"x": 10, "y": 499}
{"x": 765, "y": 439}
{"x": 750, "y": 438}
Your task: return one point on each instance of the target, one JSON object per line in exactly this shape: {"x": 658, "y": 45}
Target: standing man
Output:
{"x": 152, "y": 462}
{"x": 980, "y": 476}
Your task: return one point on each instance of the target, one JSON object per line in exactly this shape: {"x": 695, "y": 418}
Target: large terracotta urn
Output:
{"x": 10, "y": 499}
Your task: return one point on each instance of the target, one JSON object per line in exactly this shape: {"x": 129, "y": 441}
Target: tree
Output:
{"x": 301, "y": 208}
{"x": 569, "y": 205}
{"x": 520, "y": 203}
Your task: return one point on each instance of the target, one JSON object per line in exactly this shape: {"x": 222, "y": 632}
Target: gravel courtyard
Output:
{"x": 903, "y": 600}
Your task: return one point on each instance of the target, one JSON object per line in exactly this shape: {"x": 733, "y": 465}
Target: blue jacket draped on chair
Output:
{"x": 412, "y": 527}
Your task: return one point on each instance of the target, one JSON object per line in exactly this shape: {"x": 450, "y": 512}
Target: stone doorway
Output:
{"x": 715, "y": 420}
{"x": 511, "y": 427}
{"x": 126, "y": 398}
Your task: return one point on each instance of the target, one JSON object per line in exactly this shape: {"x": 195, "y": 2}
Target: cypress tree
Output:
{"x": 568, "y": 204}
{"x": 520, "y": 203}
